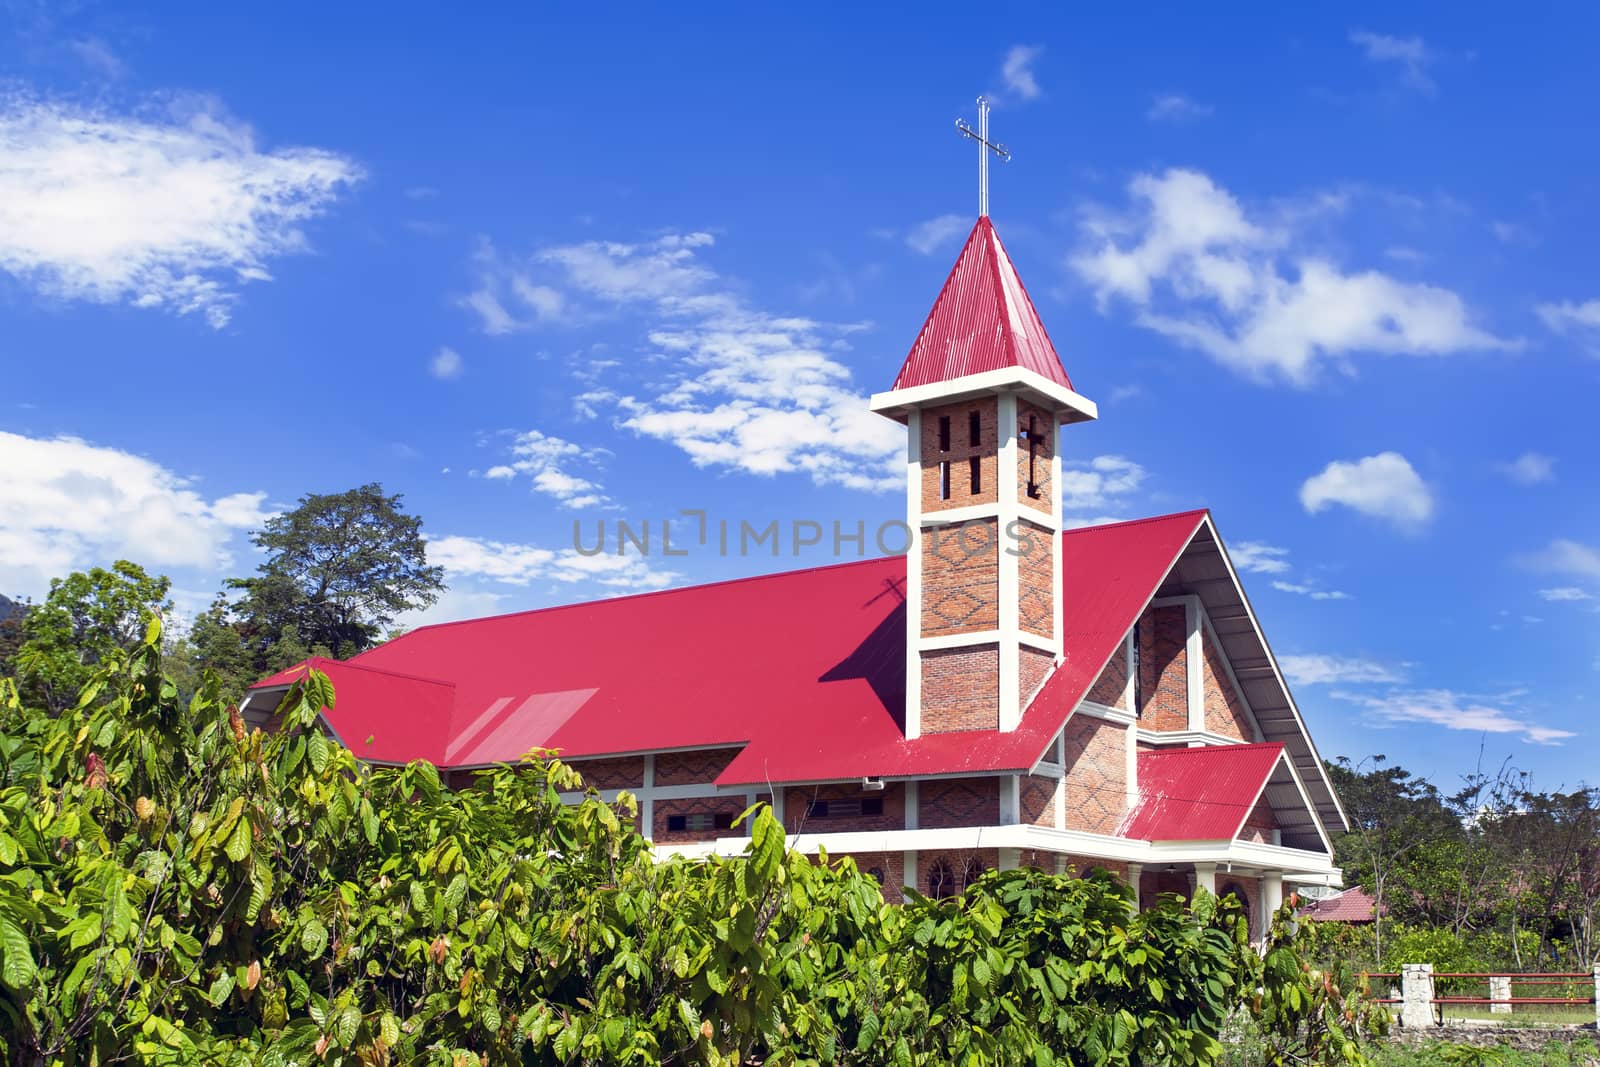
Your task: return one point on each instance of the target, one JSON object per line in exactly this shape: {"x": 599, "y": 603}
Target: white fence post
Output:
{"x": 1500, "y": 990}
{"x": 1597, "y": 996}
{"x": 1416, "y": 995}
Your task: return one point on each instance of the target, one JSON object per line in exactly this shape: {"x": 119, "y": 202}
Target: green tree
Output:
{"x": 88, "y": 616}
{"x": 340, "y": 567}
{"x": 12, "y": 613}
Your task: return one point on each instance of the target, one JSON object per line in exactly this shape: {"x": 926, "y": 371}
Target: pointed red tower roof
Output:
{"x": 982, "y": 321}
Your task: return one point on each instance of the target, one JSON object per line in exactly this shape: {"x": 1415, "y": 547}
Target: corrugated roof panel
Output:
{"x": 1199, "y": 794}
{"x": 981, "y": 321}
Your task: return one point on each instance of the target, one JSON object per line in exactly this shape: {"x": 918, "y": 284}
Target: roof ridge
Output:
{"x": 1139, "y": 522}
{"x": 944, "y": 291}
{"x": 350, "y": 663}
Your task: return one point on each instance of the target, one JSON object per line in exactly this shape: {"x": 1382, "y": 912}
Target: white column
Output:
{"x": 1271, "y": 901}
{"x": 1010, "y": 800}
{"x": 1009, "y": 617}
{"x": 908, "y": 863}
{"x": 914, "y": 573}
{"x": 1009, "y": 859}
{"x": 1205, "y": 877}
{"x": 1416, "y": 995}
{"x": 777, "y": 803}
{"x": 1135, "y": 872}
{"x": 647, "y": 799}
{"x": 911, "y": 804}
{"x": 1058, "y": 631}
{"x": 1194, "y": 660}
{"x": 1500, "y": 991}
{"x": 1597, "y": 996}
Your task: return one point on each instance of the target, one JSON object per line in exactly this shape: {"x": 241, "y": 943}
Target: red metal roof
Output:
{"x": 982, "y": 321}
{"x": 1354, "y": 905}
{"x": 1199, "y": 794}
{"x": 805, "y": 669}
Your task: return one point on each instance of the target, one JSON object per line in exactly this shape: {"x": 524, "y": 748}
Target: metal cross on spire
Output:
{"x": 985, "y": 146}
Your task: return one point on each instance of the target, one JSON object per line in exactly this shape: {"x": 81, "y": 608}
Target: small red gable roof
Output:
{"x": 1199, "y": 794}
{"x": 982, "y": 321}
{"x": 1354, "y": 905}
{"x": 805, "y": 670}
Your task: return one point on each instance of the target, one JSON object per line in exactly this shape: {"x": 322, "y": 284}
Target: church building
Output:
{"x": 1007, "y": 692}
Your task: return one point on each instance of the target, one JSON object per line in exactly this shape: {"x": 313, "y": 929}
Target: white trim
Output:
{"x": 1305, "y": 798}
{"x": 913, "y": 574}
{"x": 1130, "y": 686}
{"x": 1134, "y": 871}
{"x": 1130, "y": 757}
{"x": 1191, "y": 738}
{"x": 908, "y": 869}
{"x": 1057, "y": 579}
{"x": 898, "y": 403}
{"x": 1043, "y": 769}
{"x": 1194, "y": 663}
{"x": 647, "y": 797}
{"x": 911, "y": 794}
{"x": 1205, "y": 877}
{"x": 1101, "y": 711}
{"x": 985, "y": 637}
{"x": 1233, "y": 679}
{"x": 1009, "y": 585}
{"x": 1011, "y": 800}
{"x": 957, "y": 516}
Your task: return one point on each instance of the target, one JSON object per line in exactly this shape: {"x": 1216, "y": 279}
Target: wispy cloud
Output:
{"x": 1016, "y": 70}
{"x": 445, "y": 365}
{"x": 1565, "y": 594}
{"x": 1175, "y": 107}
{"x": 929, "y": 237}
{"x": 1306, "y": 590}
{"x": 1530, "y": 468}
{"x": 1258, "y": 557}
{"x": 1411, "y": 54}
{"x": 507, "y": 299}
{"x": 1316, "y": 669}
{"x": 1453, "y": 711}
{"x": 1384, "y": 486}
{"x": 173, "y": 210}
{"x": 511, "y": 563}
{"x": 66, "y": 503}
{"x": 737, "y": 386}
{"x": 1250, "y": 293}
{"x": 1094, "y": 491}
{"x": 1563, "y": 556}
{"x": 547, "y": 461}
{"x": 1581, "y": 322}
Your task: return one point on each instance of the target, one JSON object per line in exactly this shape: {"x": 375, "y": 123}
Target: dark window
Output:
{"x": 974, "y": 430}
{"x": 944, "y": 480}
{"x": 876, "y": 874}
{"x": 971, "y": 871}
{"x": 1032, "y": 434}
{"x": 844, "y": 807}
{"x": 977, "y": 475}
{"x": 1138, "y": 675}
{"x": 942, "y": 880}
{"x": 701, "y": 822}
{"x": 944, "y": 433}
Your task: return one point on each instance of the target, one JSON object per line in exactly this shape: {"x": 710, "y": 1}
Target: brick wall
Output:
{"x": 1111, "y": 688}
{"x": 1035, "y": 584}
{"x": 1250, "y": 890}
{"x": 622, "y": 772}
{"x": 1260, "y": 824}
{"x": 947, "y": 802}
{"x": 1225, "y": 711}
{"x": 891, "y": 865}
{"x": 1033, "y": 666}
{"x": 957, "y": 862}
{"x": 1037, "y": 798}
{"x": 961, "y": 578}
{"x": 960, "y": 454}
{"x": 724, "y": 805}
{"x": 1154, "y": 883}
{"x": 1044, "y": 425}
{"x": 693, "y": 768}
{"x": 1097, "y": 774}
{"x": 1078, "y": 866}
{"x": 961, "y": 689}
{"x": 796, "y": 800}
{"x": 1163, "y": 668}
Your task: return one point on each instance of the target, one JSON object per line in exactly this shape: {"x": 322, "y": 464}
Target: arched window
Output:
{"x": 875, "y": 873}
{"x": 942, "y": 880}
{"x": 971, "y": 871}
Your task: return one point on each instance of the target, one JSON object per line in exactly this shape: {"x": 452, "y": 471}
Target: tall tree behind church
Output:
{"x": 341, "y": 567}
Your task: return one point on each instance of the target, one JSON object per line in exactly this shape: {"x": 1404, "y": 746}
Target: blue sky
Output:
{"x": 1327, "y": 273}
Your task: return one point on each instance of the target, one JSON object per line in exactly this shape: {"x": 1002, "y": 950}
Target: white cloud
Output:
{"x": 1411, "y": 53}
{"x": 67, "y": 504}
{"x": 1562, "y": 556}
{"x": 445, "y": 365}
{"x": 1578, "y": 321}
{"x": 1530, "y": 468}
{"x": 1093, "y": 490}
{"x": 1259, "y": 557}
{"x": 544, "y": 460}
{"x": 928, "y": 237}
{"x": 454, "y": 605}
{"x": 1453, "y": 711}
{"x": 96, "y": 54}
{"x": 1306, "y": 590}
{"x": 1316, "y": 669}
{"x": 1200, "y": 271}
{"x": 520, "y": 564}
{"x": 1565, "y": 593}
{"x": 1017, "y": 70}
{"x": 1175, "y": 107}
{"x": 1384, "y": 486}
{"x": 740, "y": 387}
{"x": 501, "y": 284}
{"x": 168, "y": 211}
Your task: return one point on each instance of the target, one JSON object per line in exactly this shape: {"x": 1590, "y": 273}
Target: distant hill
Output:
{"x": 9, "y": 607}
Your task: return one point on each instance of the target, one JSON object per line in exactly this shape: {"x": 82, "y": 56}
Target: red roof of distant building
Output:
{"x": 1354, "y": 905}
{"x": 982, "y": 321}
{"x": 805, "y": 670}
{"x": 1199, "y": 794}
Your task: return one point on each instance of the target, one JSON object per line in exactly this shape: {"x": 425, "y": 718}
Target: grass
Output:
{"x": 1433, "y": 1053}
{"x": 1522, "y": 1014}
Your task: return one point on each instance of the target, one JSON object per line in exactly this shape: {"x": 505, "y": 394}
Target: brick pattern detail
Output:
{"x": 1037, "y": 797}
{"x": 1036, "y": 602}
{"x": 726, "y": 805}
{"x": 623, "y": 772}
{"x": 1164, "y": 668}
{"x": 1225, "y": 710}
{"x": 1111, "y": 688}
{"x": 1032, "y": 667}
{"x": 892, "y": 865}
{"x": 1259, "y": 826}
{"x": 961, "y": 578}
{"x": 957, "y": 861}
{"x": 693, "y": 768}
{"x": 1078, "y": 866}
{"x": 961, "y": 689}
{"x": 796, "y": 799}
{"x": 943, "y": 803}
{"x": 1097, "y": 774}
{"x": 1044, "y": 424}
{"x": 961, "y": 453}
